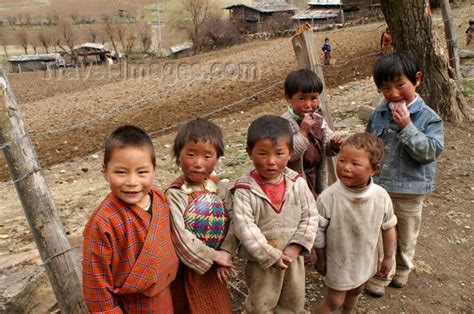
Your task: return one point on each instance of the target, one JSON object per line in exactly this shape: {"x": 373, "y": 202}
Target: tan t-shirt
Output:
{"x": 356, "y": 218}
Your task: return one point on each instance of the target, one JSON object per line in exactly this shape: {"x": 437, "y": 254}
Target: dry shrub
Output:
{"x": 219, "y": 33}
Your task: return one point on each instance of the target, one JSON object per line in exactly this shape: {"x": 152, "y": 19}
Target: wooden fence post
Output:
{"x": 307, "y": 57}
{"x": 451, "y": 41}
{"x": 43, "y": 218}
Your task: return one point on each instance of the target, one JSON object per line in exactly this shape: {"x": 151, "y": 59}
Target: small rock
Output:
{"x": 62, "y": 171}
{"x": 84, "y": 169}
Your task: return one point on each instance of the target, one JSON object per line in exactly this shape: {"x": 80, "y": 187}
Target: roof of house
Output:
{"x": 91, "y": 46}
{"x": 266, "y": 7}
{"x": 325, "y": 2}
{"x": 38, "y": 57}
{"x": 311, "y": 14}
{"x": 181, "y": 47}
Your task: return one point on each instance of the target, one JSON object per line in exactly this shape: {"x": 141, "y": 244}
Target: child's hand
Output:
{"x": 306, "y": 124}
{"x": 223, "y": 258}
{"x": 292, "y": 251}
{"x": 385, "y": 267}
{"x": 283, "y": 262}
{"x": 401, "y": 116}
{"x": 225, "y": 273}
{"x": 336, "y": 142}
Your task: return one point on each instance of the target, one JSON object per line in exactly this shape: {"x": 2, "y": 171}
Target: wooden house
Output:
{"x": 321, "y": 12}
{"x": 39, "y": 62}
{"x": 257, "y": 17}
{"x": 356, "y": 8}
{"x": 91, "y": 53}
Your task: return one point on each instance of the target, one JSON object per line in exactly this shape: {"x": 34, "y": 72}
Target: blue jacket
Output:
{"x": 409, "y": 163}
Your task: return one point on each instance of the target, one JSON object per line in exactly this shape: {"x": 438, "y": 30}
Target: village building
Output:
{"x": 92, "y": 53}
{"x": 39, "y": 62}
{"x": 257, "y": 17}
{"x": 182, "y": 50}
{"x": 321, "y": 12}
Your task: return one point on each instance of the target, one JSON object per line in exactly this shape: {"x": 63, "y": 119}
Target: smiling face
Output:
{"x": 270, "y": 159}
{"x": 303, "y": 103}
{"x": 400, "y": 89}
{"x": 130, "y": 173}
{"x": 353, "y": 167}
{"x": 197, "y": 161}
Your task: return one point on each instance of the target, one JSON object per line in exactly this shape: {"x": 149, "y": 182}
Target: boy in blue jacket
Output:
{"x": 414, "y": 138}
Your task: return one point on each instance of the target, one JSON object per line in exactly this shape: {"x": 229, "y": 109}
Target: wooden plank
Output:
{"x": 307, "y": 57}
{"x": 43, "y": 218}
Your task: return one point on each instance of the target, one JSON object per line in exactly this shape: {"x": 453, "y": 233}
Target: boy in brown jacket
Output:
{"x": 275, "y": 219}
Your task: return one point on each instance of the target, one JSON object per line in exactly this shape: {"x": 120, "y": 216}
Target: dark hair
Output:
{"x": 199, "y": 130}
{"x": 393, "y": 64}
{"x": 368, "y": 142}
{"x": 269, "y": 127}
{"x": 128, "y": 136}
{"x": 326, "y": 39}
{"x": 304, "y": 81}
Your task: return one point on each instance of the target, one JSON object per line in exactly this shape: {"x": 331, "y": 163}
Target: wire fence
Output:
{"x": 141, "y": 103}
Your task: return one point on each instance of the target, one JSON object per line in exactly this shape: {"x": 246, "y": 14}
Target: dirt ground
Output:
{"x": 69, "y": 117}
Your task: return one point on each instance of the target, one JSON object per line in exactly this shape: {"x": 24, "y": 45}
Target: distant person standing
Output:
{"x": 469, "y": 32}
{"x": 327, "y": 51}
{"x": 386, "y": 43}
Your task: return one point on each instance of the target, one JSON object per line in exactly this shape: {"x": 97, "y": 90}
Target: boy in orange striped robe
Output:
{"x": 129, "y": 260}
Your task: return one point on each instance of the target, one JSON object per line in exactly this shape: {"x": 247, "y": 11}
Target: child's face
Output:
{"x": 303, "y": 103}
{"x": 400, "y": 89}
{"x": 353, "y": 167}
{"x": 130, "y": 173}
{"x": 270, "y": 160}
{"x": 197, "y": 161}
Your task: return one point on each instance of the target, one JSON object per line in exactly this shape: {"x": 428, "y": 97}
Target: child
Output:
{"x": 275, "y": 219}
{"x": 469, "y": 32}
{"x": 313, "y": 140}
{"x": 352, "y": 212}
{"x": 200, "y": 205}
{"x": 414, "y": 138}
{"x": 386, "y": 44}
{"x": 129, "y": 261}
{"x": 327, "y": 51}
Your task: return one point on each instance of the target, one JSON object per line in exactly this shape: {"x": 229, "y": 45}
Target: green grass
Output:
{"x": 468, "y": 88}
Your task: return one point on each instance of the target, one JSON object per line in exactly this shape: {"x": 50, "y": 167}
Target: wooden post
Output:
{"x": 308, "y": 57}
{"x": 40, "y": 211}
{"x": 451, "y": 41}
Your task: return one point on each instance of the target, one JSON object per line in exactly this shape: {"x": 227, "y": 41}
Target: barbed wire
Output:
{"x": 102, "y": 116}
{"x": 143, "y": 100}
{"x": 154, "y": 96}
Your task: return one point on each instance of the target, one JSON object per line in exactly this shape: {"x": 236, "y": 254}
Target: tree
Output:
{"x": 412, "y": 30}
{"x": 111, "y": 33}
{"x": 23, "y": 40}
{"x": 144, "y": 34}
{"x": 65, "y": 34}
{"x": 191, "y": 16}
{"x": 45, "y": 39}
{"x": 4, "y": 42}
{"x": 121, "y": 32}
{"x": 12, "y": 20}
{"x": 130, "y": 42}
{"x": 92, "y": 34}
